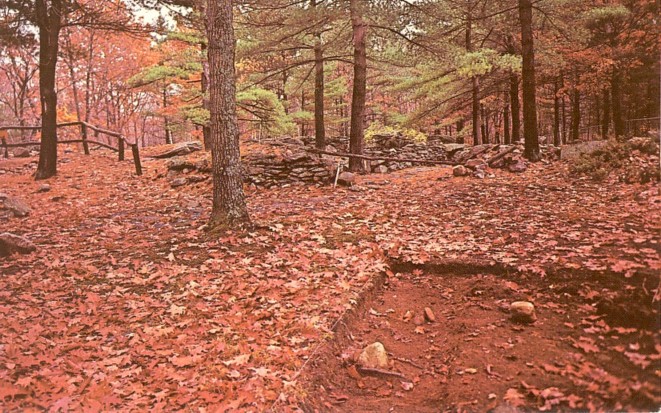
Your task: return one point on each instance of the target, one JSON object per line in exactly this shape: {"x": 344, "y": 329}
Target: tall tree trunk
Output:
{"x": 575, "y": 115}
{"x": 49, "y": 23}
{"x": 475, "y": 86}
{"x": 206, "y": 131}
{"x": 229, "y": 202}
{"x": 506, "y": 118}
{"x": 70, "y": 60}
{"x": 557, "y": 140}
{"x": 531, "y": 142}
{"x": 564, "y": 112}
{"x": 359, "y": 85}
{"x": 485, "y": 124}
{"x": 88, "y": 78}
{"x": 618, "y": 121}
{"x": 516, "y": 108}
{"x": 303, "y": 128}
{"x": 606, "y": 118}
{"x": 166, "y": 121}
{"x": 319, "y": 125}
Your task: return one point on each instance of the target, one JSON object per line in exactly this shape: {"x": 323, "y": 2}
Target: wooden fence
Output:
{"x": 85, "y": 127}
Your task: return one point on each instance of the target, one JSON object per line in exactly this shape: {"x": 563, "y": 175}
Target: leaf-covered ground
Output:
{"x": 129, "y": 304}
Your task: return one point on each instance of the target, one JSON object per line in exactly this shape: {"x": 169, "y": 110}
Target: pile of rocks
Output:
{"x": 476, "y": 159}
{"x": 265, "y": 167}
{"x": 289, "y": 167}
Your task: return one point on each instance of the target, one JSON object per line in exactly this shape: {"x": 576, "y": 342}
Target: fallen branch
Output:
{"x": 379, "y": 158}
{"x": 366, "y": 370}
{"x": 409, "y": 362}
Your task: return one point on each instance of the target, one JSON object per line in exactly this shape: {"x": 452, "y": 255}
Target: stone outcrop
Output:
{"x": 12, "y": 243}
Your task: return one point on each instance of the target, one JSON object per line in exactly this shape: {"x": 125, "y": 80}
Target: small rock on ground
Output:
{"x": 17, "y": 206}
{"x": 523, "y": 312}
{"x": 374, "y": 356}
{"x": 459, "y": 170}
{"x": 178, "y": 182}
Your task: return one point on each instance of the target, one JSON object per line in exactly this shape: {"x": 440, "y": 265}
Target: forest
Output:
{"x": 330, "y": 205}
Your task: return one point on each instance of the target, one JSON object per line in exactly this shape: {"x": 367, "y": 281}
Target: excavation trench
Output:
{"x": 593, "y": 346}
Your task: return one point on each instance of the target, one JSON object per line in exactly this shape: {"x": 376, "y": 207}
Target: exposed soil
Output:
{"x": 576, "y": 356}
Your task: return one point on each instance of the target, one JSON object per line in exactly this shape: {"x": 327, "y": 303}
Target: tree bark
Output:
{"x": 319, "y": 125}
{"x": 229, "y": 203}
{"x": 357, "y": 132}
{"x": 531, "y": 141}
{"x": 49, "y": 23}
{"x": 166, "y": 122}
{"x": 506, "y": 118}
{"x": 206, "y": 132}
{"x": 606, "y": 117}
{"x": 616, "y": 94}
{"x": 475, "y": 87}
{"x": 557, "y": 140}
{"x": 575, "y": 115}
{"x": 515, "y": 106}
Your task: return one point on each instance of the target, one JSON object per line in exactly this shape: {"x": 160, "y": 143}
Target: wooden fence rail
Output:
{"x": 122, "y": 142}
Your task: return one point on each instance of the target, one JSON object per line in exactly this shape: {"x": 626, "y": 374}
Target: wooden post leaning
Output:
{"x": 136, "y": 158}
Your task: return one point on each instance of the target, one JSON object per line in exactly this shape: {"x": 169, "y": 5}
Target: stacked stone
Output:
{"x": 263, "y": 169}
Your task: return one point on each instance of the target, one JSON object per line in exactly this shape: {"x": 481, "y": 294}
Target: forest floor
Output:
{"x": 129, "y": 304}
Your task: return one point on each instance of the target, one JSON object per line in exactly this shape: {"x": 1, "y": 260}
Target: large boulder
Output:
{"x": 346, "y": 179}
{"x": 179, "y": 149}
{"x": 18, "y": 207}
{"x": 22, "y": 153}
{"x": 11, "y": 243}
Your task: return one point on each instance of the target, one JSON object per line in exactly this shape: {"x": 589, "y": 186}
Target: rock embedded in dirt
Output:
{"x": 429, "y": 315}
{"x": 518, "y": 166}
{"x": 475, "y": 164}
{"x": 22, "y": 153}
{"x": 44, "y": 188}
{"x": 381, "y": 169}
{"x": 17, "y": 206}
{"x": 177, "y": 182}
{"x": 479, "y": 173}
{"x": 10, "y": 243}
{"x": 374, "y": 356}
{"x": 419, "y": 319}
{"x": 346, "y": 179}
{"x": 523, "y": 312}
{"x": 459, "y": 170}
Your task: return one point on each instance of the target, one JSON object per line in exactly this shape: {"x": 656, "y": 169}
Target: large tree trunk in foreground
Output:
{"x": 531, "y": 141}
{"x": 475, "y": 87}
{"x": 319, "y": 126}
{"x": 49, "y": 22}
{"x": 357, "y": 134}
{"x": 206, "y": 132}
{"x": 229, "y": 203}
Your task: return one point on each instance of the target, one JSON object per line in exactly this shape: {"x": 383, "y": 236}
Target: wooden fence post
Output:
{"x": 4, "y": 143}
{"x": 120, "y": 144}
{"x": 83, "y": 131}
{"x": 136, "y": 159}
